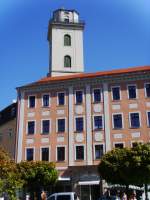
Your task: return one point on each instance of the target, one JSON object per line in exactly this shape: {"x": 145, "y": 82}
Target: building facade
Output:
{"x": 73, "y": 118}
{"x": 8, "y": 121}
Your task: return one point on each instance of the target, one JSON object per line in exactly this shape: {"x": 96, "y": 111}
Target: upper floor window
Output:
{"x": 116, "y": 93}
{"x": 31, "y": 101}
{"x": 119, "y": 145}
{"x": 46, "y": 100}
{"x": 79, "y": 124}
{"x": 61, "y": 125}
{"x": 132, "y": 91}
{"x": 117, "y": 121}
{"x": 45, "y": 126}
{"x": 67, "y": 40}
{"x": 60, "y": 153}
{"x": 45, "y": 154}
{"x": 147, "y": 89}
{"x": 31, "y": 127}
{"x": 67, "y": 61}
{"x": 79, "y": 152}
{"x": 134, "y": 120}
{"x": 99, "y": 151}
{"x": 61, "y": 98}
{"x": 98, "y": 122}
{"x": 29, "y": 154}
{"x": 96, "y": 95}
{"x": 148, "y": 119}
{"x": 79, "y": 97}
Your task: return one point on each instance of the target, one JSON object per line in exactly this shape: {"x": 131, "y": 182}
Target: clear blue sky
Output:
{"x": 117, "y": 35}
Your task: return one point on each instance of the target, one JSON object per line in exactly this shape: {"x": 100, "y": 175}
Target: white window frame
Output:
{"x": 97, "y": 88}
{"x": 96, "y": 115}
{"x": 139, "y": 119}
{"x": 64, "y": 98}
{"x": 113, "y": 121}
{"x": 116, "y": 86}
{"x": 95, "y": 144}
{"x": 135, "y": 89}
{"x": 34, "y": 127}
{"x": 145, "y": 89}
{"x": 138, "y": 141}
{"x": 33, "y": 152}
{"x": 65, "y": 153}
{"x": 57, "y": 124}
{"x": 41, "y": 147}
{"x": 76, "y": 145}
{"x": 148, "y": 124}
{"x": 83, "y": 100}
{"x": 83, "y": 123}
{"x": 42, "y": 126}
{"x": 119, "y": 143}
{"x": 49, "y": 100}
{"x": 29, "y": 101}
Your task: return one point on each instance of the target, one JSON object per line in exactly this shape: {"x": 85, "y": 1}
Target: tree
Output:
{"x": 127, "y": 166}
{"x": 37, "y": 175}
{"x": 9, "y": 177}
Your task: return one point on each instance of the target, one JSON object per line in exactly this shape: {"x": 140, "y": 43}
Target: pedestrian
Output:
{"x": 124, "y": 196}
{"x": 133, "y": 196}
{"x": 43, "y": 195}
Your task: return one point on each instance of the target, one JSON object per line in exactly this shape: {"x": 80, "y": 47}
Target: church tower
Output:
{"x": 65, "y": 36}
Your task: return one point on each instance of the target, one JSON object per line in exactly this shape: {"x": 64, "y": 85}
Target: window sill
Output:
{"x": 79, "y": 132}
{"x": 134, "y": 127}
{"x": 118, "y": 100}
{"x": 60, "y": 161}
{"x": 79, "y": 160}
{"x": 45, "y": 134}
{"x": 98, "y": 129}
{"x": 117, "y": 128}
{"x": 78, "y": 104}
{"x": 97, "y": 102}
{"x": 60, "y": 133}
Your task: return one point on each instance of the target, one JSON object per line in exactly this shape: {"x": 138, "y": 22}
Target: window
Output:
{"x": 116, "y": 93}
{"x": 97, "y": 95}
{"x": 98, "y": 122}
{"x": 79, "y": 97}
{"x": 67, "y": 40}
{"x": 31, "y": 101}
{"x": 148, "y": 119}
{"x": 60, "y": 153}
{"x": 119, "y": 145}
{"x": 117, "y": 121}
{"x": 31, "y": 127}
{"x": 147, "y": 89}
{"x": 79, "y": 124}
{"x": 61, "y": 125}
{"x": 46, "y": 100}
{"x": 132, "y": 91}
{"x": 45, "y": 126}
{"x": 67, "y": 61}
{"x": 45, "y": 154}
{"x": 134, "y": 120}
{"x": 79, "y": 152}
{"x": 99, "y": 151}
{"x": 61, "y": 98}
{"x": 29, "y": 154}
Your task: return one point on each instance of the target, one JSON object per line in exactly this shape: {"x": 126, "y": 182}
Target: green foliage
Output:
{"x": 127, "y": 166}
{"x": 9, "y": 177}
{"x": 37, "y": 175}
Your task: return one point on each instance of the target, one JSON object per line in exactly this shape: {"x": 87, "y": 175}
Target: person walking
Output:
{"x": 124, "y": 196}
{"x": 43, "y": 195}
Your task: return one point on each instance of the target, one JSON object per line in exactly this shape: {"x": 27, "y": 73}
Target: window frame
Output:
{"x": 93, "y": 97}
{"x": 42, "y": 126}
{"x": 64, "y": 153}
{"x": 65, "y": 61}
{"x": 113, "y": 121}
{"x": 118, "y": 143}
{"x": 145, "y": 89}
{"x": 64, "y": 98}
{"x": 59, "y": 118}
{"x": 34, "y": 127}
{"x": 48, "y": 101}
{"x": 33, "y": 152}
{"x": 75, "y": 128}
{"x": 42, "y": 147}
{"x": 116, "y": 86}
{"x": 76, "y": 96}
{"x": 96, "y": 144}
{"x": 100, "y": 129}
{"x": 69, "y": 41}
{"x": 84, "y": 151}
{"x": 148, "y": 122}
{"x": 130, "y": 119}
{"x": 136, "y": 90}
{"x": 29, "y": 101}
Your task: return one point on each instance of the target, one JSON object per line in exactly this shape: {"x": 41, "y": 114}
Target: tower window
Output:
{"x": 67, "y": 40}
{"x": 67, "y": 61}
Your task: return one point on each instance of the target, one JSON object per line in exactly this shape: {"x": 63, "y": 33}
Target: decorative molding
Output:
{"x": 97, "y": 108}
{"x": 30, "y": 141}
{"x": 116, "y": 107}
{"x": 79, "y": 137}
{"x": 98, "y": 137}
{"x": 60, "y": 139}
{"x": 44, "y": 140}
{"x": 78, "y": 109}
{"x": 31, "y": 114}
{"x": 45, "y": 113}
{"x": 60, "y": 112}
{"x": 118, "y": 136}
{"x": 133, "y": 106}
{"x": 136, "y": 135}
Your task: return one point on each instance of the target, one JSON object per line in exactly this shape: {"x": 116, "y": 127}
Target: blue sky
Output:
{"x": 117, "y": 35}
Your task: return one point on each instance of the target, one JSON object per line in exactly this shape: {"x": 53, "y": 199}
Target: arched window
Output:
{"x": 67, "y": 61}
{"x": 67, "y": 40}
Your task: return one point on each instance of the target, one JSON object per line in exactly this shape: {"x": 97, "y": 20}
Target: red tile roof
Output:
{"x": 90, "y": 75}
